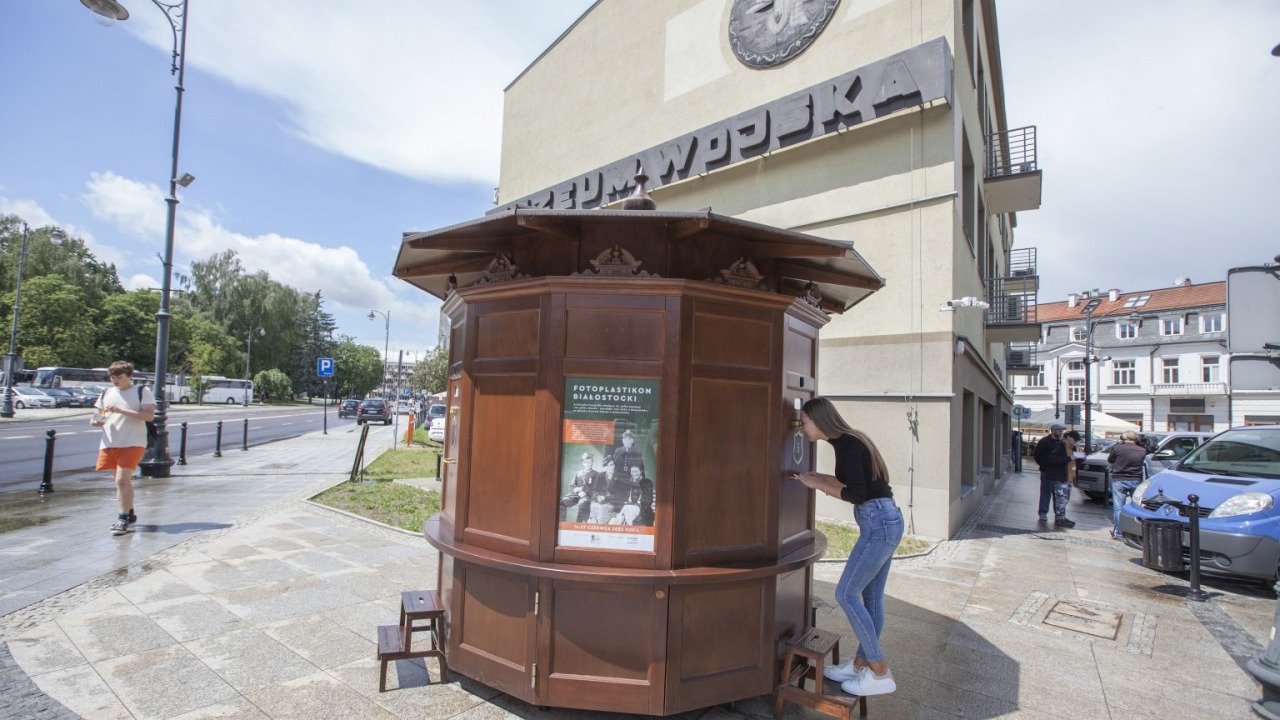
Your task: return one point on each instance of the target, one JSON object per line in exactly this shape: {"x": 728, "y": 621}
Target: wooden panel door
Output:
{"x": 604, "y": 646}
{"x": 491, "y": 636}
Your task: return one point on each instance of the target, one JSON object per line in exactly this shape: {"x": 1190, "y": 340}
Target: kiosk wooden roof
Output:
{"x": 674, "y": 245}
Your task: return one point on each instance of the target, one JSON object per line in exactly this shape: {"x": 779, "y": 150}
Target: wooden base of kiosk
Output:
{"x": 652, "y": 642}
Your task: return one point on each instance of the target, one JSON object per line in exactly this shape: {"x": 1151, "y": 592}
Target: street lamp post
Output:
{"x": 1088, "y": 377}
{"x": 386, "y": 346}
{"x": 158, "y": 462}
{"x": 6, "y": 407}
{"x": 1089, "y": 361}
{"x": 248, "y": 356}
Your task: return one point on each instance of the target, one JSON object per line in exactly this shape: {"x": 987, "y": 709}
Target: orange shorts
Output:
{"x": 112, "y": 458}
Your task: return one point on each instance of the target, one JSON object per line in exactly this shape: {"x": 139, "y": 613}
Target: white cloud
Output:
{"x": 36, "y": 216}
{"x": 140, "y": 281}
{"x": 1155, "y": 126}
{"x": 409, "y": 86}
{"x": 349, "y": 288}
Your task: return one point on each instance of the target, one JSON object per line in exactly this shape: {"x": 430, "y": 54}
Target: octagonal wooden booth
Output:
{"x": 619, "y": 531}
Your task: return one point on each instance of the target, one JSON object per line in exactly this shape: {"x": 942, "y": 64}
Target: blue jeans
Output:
{"x": 1121, "y": 489}
{"x": 860, "y": 591}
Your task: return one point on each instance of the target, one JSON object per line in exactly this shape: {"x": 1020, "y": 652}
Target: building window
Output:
{"x": 1076, "y": 365}
{"x": 1075, "y": 390}
{"x": 1190, "y": 423}
{"x": 1126, "y": 331}
{"x": 1169, "y": 371}
{"x": 1078, "y": 333}
{"x": 1036, "y": 380}
{"x": 1171, "y": 326}
{"x": 1211, "y": 323}
{"x": 1210, "y": 369}
{"x": 1137, "y": 301}
{"x": 1124, "y": 372}
{"x": 1262, "y": 419}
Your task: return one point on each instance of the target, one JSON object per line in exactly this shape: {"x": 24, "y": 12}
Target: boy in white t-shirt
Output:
{"x": 123, "y": 412}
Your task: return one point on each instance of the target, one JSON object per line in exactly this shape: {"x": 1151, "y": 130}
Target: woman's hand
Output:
{"x": 819, "y": 482}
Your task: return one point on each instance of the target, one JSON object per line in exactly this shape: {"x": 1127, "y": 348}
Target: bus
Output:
{"x": 59, "y": 377}
{"x": 20, "y": 377}
{"x": 219, "y": 389}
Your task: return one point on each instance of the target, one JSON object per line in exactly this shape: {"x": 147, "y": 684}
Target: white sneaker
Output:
{"x": 868, "y": 683}
{"x": 843, "y": 672}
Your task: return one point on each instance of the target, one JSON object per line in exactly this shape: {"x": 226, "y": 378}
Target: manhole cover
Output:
{"x": 1082, "y": 619}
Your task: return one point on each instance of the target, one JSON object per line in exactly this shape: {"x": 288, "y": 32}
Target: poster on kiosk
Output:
{"x": 608, "y": 463}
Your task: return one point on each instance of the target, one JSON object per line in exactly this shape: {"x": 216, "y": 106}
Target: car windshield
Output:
{"x": 1246, "y": 452}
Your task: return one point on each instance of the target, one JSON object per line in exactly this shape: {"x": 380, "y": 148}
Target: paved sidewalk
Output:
{"x": 275, "y": 617}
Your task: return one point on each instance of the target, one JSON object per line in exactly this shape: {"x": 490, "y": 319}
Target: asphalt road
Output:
{"x": 23, "y": 439}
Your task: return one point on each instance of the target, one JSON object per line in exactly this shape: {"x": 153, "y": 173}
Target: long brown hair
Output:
{"x": 828, "y": 420}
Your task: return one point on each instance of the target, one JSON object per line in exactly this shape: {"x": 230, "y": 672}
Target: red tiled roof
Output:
{"x": 1185, "y": 296}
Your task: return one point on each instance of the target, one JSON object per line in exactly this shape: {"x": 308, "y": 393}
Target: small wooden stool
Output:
{"x": 395, "y": 642}
{"x": 806, "y": 658}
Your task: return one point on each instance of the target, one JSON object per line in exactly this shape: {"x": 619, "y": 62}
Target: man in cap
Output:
{"x": 1126, "y": 460}
{"x": 1052, "y": 457}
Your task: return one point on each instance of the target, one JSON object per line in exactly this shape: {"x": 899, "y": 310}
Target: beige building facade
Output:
{"x": 883, "y": 126}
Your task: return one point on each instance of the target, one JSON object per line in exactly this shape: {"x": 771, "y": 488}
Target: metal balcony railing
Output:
{"x": 1011, "y": 152}
{"x": 1008, "y": 305}
{"x": 1193, "y": 389}
{"x": 1021, "y": 262}
{"x": 1012, "y": 297}
{"x": 1020, "y": 359}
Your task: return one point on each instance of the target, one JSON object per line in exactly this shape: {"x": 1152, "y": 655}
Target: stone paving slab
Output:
{"x": 275, "y": 616}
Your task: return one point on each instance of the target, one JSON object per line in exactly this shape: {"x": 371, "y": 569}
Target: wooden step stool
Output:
{"x": 395, "y": 642}
{"x": 806, "y": 658}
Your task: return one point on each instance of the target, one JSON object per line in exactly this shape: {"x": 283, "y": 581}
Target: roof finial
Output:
{"x": 639, "y": 199}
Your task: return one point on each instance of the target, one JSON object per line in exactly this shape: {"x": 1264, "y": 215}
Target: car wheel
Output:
{"x": 1097, "y": 496}
{"x": 182, "y": 401}
{"x": 19, "y": 405}
{"x": 231, "y": 401}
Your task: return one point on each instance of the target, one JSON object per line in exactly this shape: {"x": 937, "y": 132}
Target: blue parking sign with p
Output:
{"x": 324, "y": 367}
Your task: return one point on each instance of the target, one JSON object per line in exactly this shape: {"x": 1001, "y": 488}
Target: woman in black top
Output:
{"x": 861, "y": 478}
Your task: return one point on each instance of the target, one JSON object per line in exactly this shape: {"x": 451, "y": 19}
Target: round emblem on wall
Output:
{"x": 765, "y": 33}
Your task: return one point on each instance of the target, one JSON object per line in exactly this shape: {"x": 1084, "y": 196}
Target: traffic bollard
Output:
{"x": 1193, "y": 515}
{"x": 217, "y": 442}
{"x": 46, "y": 482}
{"x": 245, "y": 445}
{"x": 1265, "y": 668}
{"x": 182, "y": 446}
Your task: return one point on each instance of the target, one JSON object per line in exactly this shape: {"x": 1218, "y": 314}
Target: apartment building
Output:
{"x": 1156, "y": 358}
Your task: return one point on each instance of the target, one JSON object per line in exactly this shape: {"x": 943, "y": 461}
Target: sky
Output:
{"x": 319, "y": 131}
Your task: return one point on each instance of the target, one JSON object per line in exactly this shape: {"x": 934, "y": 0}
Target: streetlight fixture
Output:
{"x": 1090, "y": 323}
{"x": 386, "y": 346}
{"x": 158, "y": 462}
{"x": 248, "y": 356}
{"x": 11, "y": 361}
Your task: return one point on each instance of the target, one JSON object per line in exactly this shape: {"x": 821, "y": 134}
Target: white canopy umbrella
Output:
{"x": 1102, "y": 422}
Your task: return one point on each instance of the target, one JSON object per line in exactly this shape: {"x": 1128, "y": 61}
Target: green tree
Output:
{"x": 69, "y": 260}
{"x": 126, "y": 329}
{"x": 55, "y": 319}
{"x": 315, "y": 341}
{"x": 272, "y": 385}
{"x": 431, "y": 374}
{"x": 209, "y": 351}
{"x": 358, "y": 368}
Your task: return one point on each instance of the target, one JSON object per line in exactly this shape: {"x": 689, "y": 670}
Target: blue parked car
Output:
{"x": 1236, "y": 475}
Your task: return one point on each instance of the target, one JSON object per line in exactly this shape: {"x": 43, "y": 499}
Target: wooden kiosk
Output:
{"x": 583, "y": 568}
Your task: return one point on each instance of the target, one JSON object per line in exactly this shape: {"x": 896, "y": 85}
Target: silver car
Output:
{"x": 29, "y": 397}
{"x": 1094, "y": 476}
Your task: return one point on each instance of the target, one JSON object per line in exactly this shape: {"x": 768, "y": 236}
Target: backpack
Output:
{"x": 151, "y": 426}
